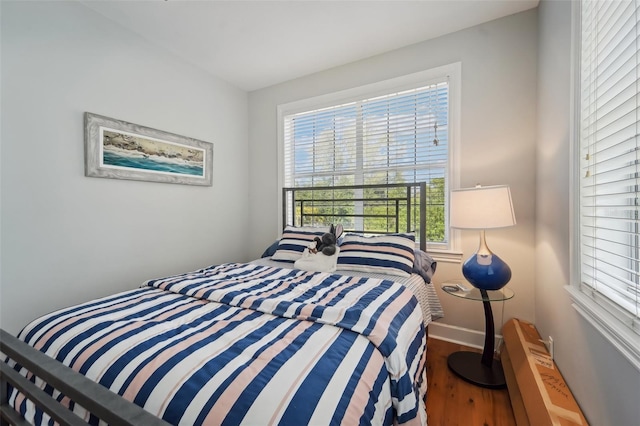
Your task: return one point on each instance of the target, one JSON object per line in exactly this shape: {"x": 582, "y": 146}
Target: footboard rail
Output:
{"x": 95, "y": 398}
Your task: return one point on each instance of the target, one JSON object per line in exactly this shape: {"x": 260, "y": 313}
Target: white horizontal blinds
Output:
{"x": 399, "y": 137}
{"x": 610, "y": 166}
{"x": 405, "y": 135}
{"x": 320, "y": 147}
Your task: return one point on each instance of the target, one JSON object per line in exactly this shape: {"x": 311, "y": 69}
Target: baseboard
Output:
{"x": 459, "y": 335}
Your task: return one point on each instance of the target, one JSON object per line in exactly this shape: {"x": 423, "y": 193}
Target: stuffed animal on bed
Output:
{"x": 322, "y": 253}
{"x": 327, "y": 244}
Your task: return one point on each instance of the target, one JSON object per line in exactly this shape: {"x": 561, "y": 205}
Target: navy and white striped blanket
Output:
{"x": 248, "y": 344}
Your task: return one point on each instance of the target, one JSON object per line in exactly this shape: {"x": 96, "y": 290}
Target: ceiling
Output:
{"x": 256, "y": 44}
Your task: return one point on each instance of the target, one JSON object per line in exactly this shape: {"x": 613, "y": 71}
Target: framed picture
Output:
{"x": 120, "y": 150}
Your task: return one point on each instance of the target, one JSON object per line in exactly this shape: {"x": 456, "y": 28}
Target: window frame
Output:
{"x": 451, "y": 251}
{"x": 604, "y": 315}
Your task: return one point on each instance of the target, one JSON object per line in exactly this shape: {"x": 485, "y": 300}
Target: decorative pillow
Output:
{"x": 294, "y": 240}
{"x": 424, "y": 265}
{"x": 386, "y": 254}
{"x": 270, "y": 251}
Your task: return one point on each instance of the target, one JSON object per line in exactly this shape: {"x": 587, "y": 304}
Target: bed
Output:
{"x": 244, "y": 343}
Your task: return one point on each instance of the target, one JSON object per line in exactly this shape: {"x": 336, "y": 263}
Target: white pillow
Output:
{"x": 294, "y": 240}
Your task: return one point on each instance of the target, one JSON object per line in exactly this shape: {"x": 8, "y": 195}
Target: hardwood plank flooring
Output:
{"x": 453, "y": 402}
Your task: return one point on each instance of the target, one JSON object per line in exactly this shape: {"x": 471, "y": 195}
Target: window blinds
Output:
{"x": 396, "y": 138}
{"x": 610, "y": 157}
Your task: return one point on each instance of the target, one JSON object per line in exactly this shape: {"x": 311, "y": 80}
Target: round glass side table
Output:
{"x": 479, "y": 369}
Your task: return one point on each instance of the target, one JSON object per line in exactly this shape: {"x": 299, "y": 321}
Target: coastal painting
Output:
{"x": 122, "y": 150}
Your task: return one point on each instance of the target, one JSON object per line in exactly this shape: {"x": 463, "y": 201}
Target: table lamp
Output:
{"x": 483, "y": 207}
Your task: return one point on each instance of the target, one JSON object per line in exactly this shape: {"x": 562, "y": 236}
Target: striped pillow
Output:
{"x": 294, "y": 240}
{"x": 386, "y": 254}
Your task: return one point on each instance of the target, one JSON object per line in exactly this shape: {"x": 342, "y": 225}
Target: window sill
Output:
{"x": 611, "y": 327}
{"x": 445, "y": 256}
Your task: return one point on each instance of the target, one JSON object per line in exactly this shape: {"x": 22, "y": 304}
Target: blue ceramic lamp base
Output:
{"x": 485, "y": 270}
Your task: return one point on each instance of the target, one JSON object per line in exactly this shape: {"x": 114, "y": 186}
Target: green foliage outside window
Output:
{"x": 385, "y": 210}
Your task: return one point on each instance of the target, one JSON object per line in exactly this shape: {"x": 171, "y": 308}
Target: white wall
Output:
{"x": 604, "y": 383}
{"x": 498, "y": 142}
{"x": 67, "y": 238}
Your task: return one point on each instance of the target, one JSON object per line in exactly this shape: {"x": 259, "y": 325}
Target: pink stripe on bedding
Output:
{"x": 242, "y": 381}
{"x": 298, "y": 380}
{"x": 116, "y": 334}
{"x": 359, "y": 399}
{"x": 380, "y": 330}
{"x": 378, "y": 249}
{"x": 146, "y": 371}
{"x": 80, "y": 317}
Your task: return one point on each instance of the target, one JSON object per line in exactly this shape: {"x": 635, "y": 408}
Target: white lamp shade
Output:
{"x": 482, "y": 207}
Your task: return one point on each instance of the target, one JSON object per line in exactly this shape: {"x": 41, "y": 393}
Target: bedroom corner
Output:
{"x": 68, "y": 238}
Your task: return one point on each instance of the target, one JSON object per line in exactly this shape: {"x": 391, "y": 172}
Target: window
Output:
{"x": 394, "y": 132}
{"x": 608, "y": 293}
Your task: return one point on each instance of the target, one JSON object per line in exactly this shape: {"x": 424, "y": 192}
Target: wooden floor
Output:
{"x": 453, "y": 402}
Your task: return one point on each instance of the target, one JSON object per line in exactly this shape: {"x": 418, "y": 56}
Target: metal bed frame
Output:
{"x": 95, "y": 398}
{"x": 322, "y": 205}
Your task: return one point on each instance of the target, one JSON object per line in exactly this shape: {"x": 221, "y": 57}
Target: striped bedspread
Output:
{"x": 248, "y": 344}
